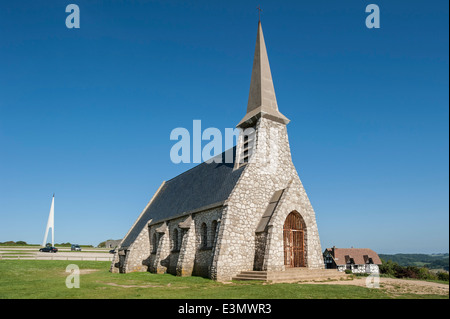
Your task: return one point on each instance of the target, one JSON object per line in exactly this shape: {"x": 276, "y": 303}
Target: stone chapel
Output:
{"x": 217, "y": 220}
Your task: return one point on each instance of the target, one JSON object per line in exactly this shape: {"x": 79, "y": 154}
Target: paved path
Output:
{"x": 396, "y": 286}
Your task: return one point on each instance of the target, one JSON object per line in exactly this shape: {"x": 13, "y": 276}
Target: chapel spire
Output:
{"x": 261, "y": 100}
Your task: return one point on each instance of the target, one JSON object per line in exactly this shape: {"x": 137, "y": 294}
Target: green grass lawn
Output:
{"x": 46, "y": 279}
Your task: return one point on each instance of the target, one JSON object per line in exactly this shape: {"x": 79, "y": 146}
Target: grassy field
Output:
{"x": 46, "y": 280}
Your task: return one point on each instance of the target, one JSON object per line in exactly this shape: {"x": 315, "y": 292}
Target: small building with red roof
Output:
{"x": 358, "y": 260}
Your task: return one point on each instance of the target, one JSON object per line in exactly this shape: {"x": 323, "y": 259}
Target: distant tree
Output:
{"x": 443, "y": 276}
{"x": 392, "y": 269}
{"x": 432, "y": 261}
{"x": 64, "y": 244}
{"x": 388, "y": 268}
{"x": 102, "y": 244}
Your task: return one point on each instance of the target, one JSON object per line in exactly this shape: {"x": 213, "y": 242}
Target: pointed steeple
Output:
{"x": 261, "y": 100}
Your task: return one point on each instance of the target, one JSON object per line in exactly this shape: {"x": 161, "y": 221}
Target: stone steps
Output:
{"x": 292, "y": 275}
{"x": 251, "y": 275}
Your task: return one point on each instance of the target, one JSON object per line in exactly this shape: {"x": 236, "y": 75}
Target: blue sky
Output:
{"x": 87, "y": 113}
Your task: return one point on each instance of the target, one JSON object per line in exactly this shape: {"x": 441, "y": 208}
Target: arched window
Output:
{"x": 204, "y": 234}
{"x": 154, "y": 243}
{"x": 213, "y": 231}
{"x": 175, "y": 243}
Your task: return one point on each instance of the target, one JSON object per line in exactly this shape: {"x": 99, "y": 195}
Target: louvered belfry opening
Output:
{"x": 294, "y": 241}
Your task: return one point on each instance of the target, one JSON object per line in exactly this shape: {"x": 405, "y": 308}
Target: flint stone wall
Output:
{"x": 191, "y": 258}
{"x": 270, "y": 169}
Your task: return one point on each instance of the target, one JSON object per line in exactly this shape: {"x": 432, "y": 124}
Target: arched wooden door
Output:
{"x": 294, "y": 241}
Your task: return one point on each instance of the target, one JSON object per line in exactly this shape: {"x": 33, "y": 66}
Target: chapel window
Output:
{"x": 204, "y": 236}
{"x": 213, "y": 231}
{"x": 175, "y": 241}
{"x": 154, "y": 243}
{"x": 249, "y": 135}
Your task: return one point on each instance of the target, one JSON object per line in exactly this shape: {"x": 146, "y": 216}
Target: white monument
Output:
{"x": 50, "y": 224}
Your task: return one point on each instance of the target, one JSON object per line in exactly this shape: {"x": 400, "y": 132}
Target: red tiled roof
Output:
{"x": 360, "y": 255}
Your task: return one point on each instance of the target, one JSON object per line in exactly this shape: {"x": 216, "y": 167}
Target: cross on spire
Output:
{"x": 259, "y": 12}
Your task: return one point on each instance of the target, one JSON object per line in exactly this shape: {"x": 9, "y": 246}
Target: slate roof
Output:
{"x": 204, "y": 185}
{"x": 359, "y": 255}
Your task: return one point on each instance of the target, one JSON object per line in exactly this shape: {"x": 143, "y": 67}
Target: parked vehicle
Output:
{"x": 49, "y": 249}
{"x": 75, "y": 247}
{"x": 112, "y": 251}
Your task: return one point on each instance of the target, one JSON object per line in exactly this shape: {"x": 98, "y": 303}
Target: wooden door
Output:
{"x": 294, "y": 237}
